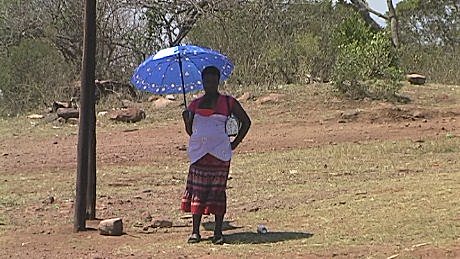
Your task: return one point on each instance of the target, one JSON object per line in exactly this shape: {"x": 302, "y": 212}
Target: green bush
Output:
{"x": 366, "y": 64}
{"x": 33, "y": 74}
{"x": 293, "y": 59}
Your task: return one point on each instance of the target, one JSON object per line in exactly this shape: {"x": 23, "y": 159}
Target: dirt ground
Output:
{"x": 275, "y": 127}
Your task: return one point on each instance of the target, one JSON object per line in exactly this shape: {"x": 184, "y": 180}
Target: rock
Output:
{"x": 128, "y": 115}
{"x": 98, "y": 256}
{"x": 153, "y": 98}
{"x": 245, "y": 97}
{"x": 102, "y": 113}
{"x": 416, "y": 79}
{"x": 35, "y": 116}
{"x": 50, "y": 117}
{"x": 418, "y": 114}
{"x": 73, "y": 121}
{"x": 60, "y": 120}
{"x": 170, "y": 97}
{"x": 58, "y": 104}
{"x": 146, "y": 217}
{"x": 161, "y": 223}
{"x": 127, "y": 103}
{"x": 67, "y": 113}
{"x": 182, "y": 148}
{"x": 309, "y": 79}
{"x": 162, "y": 103}
{"x": 275, "y": 98}
{"x": 48, "y": 200}
{"x": 254, "y": 209}
{"x": 349, "y": 114}
{"x": 111, "y": 227}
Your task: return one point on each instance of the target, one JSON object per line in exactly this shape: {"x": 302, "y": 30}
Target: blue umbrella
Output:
{"x": 178, "y": 70}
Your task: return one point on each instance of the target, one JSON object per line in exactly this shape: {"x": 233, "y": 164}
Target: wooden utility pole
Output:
{"x": 86, "y": 114}
{"x": 91, "y": 192}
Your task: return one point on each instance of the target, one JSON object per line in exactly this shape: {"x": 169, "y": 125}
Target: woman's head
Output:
{"x": 211, "y": 78}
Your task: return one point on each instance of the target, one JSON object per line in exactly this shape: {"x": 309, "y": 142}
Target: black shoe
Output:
{"x": 194, "y": 238}
{"x": 218, "y": 240}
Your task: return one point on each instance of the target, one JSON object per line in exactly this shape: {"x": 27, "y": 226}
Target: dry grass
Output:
{"x": 376, "y": 194}
{"x": 367, "y": 199}
{"x": 320, "y": 98}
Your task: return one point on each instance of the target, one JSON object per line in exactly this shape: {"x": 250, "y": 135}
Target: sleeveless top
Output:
{"x": 208, "y": 130}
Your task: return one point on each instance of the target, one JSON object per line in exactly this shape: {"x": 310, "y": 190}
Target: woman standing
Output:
{"x": 210, "y": 152}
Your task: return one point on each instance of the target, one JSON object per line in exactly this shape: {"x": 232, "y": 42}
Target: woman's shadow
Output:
{"x": 256, "y": 238}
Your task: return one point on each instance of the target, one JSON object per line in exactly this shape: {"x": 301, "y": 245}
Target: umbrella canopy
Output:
{"x": 178, "y": 69}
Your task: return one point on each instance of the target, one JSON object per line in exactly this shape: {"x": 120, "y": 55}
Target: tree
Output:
{"x": 268, "y": 39}
{"x": 430, "y": 22}
{"x": 32, "y": 74}
{"x": 365, "y": 10}
{"x": 430, "y": 37}
{"x": 366, "y": 65}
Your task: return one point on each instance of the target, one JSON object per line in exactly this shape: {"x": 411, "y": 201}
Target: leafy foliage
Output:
{"x": 31, "y": 74}
{"x": 430, "y": 22}
{"x": 366, "y": 64}
{"x": 431, "y": 38}
{"x": 270, "y": 42}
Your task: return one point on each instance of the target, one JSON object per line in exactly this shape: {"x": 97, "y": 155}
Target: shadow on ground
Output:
{"x": 254, "y": 238}
{"x": 226, "y": 225}
{"x": 270, "y": 237}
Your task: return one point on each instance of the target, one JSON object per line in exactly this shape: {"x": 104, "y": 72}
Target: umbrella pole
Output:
{"x": 182, "y": 79}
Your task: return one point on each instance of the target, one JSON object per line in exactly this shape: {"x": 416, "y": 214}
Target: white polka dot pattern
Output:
{"x": 161, "y": 73}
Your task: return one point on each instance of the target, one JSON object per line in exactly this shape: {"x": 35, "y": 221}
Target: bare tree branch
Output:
{"x": 364, "y": 9}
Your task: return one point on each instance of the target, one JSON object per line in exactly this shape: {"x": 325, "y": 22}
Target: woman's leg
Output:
{"x": 218, "y": 238}
{"x": 196, "y": 223}
{"x": 219, "y": 219}
{"x": 195, "y": 237}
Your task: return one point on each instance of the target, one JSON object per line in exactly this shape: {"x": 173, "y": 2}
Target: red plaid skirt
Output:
{"x": 206, "y": 185}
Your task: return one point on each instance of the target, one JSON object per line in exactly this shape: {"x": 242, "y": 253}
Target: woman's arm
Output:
{"x": 241, "y": 114}
{"x": 187, "y": 116}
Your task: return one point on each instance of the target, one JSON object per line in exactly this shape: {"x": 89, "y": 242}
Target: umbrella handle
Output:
{"x": 182, "y": 79}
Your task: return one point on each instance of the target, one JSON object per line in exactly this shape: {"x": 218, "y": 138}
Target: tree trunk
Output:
{"x": 393, "y": 22}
